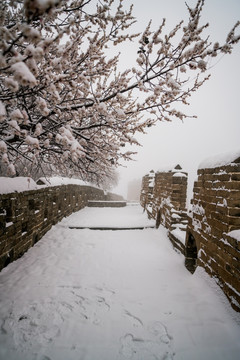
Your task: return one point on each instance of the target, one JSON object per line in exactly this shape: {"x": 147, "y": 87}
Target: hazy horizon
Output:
{"x": 217, "y": 127}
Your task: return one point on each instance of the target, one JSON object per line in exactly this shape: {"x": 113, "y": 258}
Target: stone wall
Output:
{"x": 26, "y": 216}
{"x": 146, "y": 195}
{"x": 163, "y": 196}
{"x": 213, "y": 235}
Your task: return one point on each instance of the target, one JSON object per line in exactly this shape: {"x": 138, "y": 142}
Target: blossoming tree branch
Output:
{"x": 63, "y": 101}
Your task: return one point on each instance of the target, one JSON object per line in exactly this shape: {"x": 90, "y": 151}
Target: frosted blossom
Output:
{"x": 38, "y": 6}
{"x": 5, "y": 158}
{"x": 25, "y": 117}
{"x": 38, "y": 130}
{"x": 11, "y": 170}
{"x": 16, "y": 115}
{"x": 30, "y": 50}
{"x": 46, "y": 143}
{"x": 38, "y": 52}
{"x": 75, "y": 146}
{"x": 13, "y": 124}
{"x": 32, "y": 65}
{"x": 58, "y": 138}
{"x": 56, "y": 61}
{"x": 226, "y": 49}
{"x": 2, "y": 111}
{"x": 54, "y": 93}
{"x": 120, "y": 113}
{"x": 173, "y": 84}
{"x": 183, "y": 69}
{"x": 42, "y": 105}
{"x": 3, "y": 62}
{"x": 193, "y": 65}
{"x": 66, "y": 132}
{"x": 3, "y": 146}
{"x": 23, "y": 75}
{"x": 157, "y": 90}
{"x": 79, "y": 85}
{"x": 31, "y": 33}
{"x": 33, "y": 142}
{"x": 45, "y": 111}
{"x": 65, "y": 155}
{"x": 102, "y": 108}
{"x": 202, "y": 65}
{"x": 11, "y": 84}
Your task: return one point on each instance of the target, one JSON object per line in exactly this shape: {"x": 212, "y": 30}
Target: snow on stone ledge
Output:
{"x": 179, "y": 174}
{"x": 180, "y": 235}
{"x": 220, "y": 160}
{"x": 58, "y": 180}
{"x": 17, "y": 184}
{"x": 235, "y": 234}
{"x": 171, "y": 168}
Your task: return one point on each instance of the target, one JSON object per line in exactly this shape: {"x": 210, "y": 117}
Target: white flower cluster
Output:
{"x": 23, "y": 75}
{"x": 63, "y": 101}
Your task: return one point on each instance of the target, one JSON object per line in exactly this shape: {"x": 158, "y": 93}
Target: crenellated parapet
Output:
{"x": 213, "y": 232}
{"x": 26, "y": 216}
{"x": 163, "y": 196}
{"x": 209, "y": 236}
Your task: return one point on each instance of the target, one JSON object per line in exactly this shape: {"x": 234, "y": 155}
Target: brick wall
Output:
{"x": 146, "y": 195}
{"x": 25, "y": 217}
{"x": 212, "y": 237}
{"x": 163, "y": 196}
{"x": 211, "y": 241}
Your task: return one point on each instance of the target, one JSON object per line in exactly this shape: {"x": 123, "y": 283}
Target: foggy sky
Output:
{"x": 217, "y": 128}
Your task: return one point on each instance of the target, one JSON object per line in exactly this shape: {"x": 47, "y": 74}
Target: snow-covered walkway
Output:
{"x": 111, "y": 295}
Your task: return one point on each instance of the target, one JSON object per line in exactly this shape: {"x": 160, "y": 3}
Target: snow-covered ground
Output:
{"x": 111, "y": 295}
{"x": 127, "y": 217}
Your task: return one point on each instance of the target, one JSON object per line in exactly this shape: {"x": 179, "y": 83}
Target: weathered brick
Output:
{"x": 31, "y": 214}
{"x": 217, "y": 190}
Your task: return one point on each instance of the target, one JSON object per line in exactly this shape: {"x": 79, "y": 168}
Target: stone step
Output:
{"x": 105, "y": 228}
{"x": 101, "y": 203}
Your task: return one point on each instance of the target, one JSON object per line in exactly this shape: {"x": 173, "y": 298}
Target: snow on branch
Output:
{"x": 64, "y": 105}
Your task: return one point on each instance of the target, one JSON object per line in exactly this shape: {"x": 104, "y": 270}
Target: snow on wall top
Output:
{"x": 220, "y": 160}
{"x": 235, "y": 234}
{"x": 58, "y": 180}
{"x": 179, "y": 174}
{"x": 17, "y": 184}
{"x": 170, "y": 168}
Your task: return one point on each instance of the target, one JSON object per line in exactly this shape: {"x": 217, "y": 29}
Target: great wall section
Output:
{"x": 208, "y": 234}
{"x": 26, "y": 216}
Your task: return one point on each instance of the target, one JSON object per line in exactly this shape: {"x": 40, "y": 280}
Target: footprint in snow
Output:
{"x": 36, "y": 323}
{"x": 155, "y": 342}
{"x": 137, "y": 348}
{"x": 135, "y": 320}
{"x": 160, "y": 331}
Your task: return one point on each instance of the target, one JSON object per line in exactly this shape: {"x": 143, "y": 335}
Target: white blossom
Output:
{"x": 11, "y": 84}
{"x": 2, "y": 111}
{"x": 23, "y": 75}
{"x": 5, "y": 158}
{"x": 14, "y": 125}
{"x": 38, "y": 130}
{"x": 16, "y": 115}
{"x": 33, "y": 142}
{"x": 3, "y": 147}
{"x": 65, "y": 103}
{"x": 11, "y": 170}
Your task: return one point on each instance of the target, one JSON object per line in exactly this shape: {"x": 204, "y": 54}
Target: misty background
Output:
{"x": 216, "y": 104}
